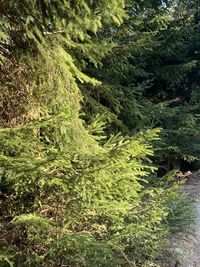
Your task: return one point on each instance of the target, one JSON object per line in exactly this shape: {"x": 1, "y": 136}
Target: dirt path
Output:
{"x": 193, "y": 249}
{"x": 193, "y": 260}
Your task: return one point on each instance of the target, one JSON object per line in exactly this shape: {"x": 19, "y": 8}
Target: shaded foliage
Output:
{"x": 150, "y": 79}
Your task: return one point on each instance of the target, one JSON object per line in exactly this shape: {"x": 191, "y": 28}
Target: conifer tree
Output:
{"x": 70, "y": 195}
{"x": 150, "y": 79}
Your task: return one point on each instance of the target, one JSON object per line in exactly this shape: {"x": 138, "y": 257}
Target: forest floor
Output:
{"x": 188, "y": 245}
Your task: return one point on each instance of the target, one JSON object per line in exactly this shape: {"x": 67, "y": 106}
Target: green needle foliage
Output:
{"x": 74, "y": 191}
{"x": 150, "y": 78}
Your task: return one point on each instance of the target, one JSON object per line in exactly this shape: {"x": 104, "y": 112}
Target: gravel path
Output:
{"x": 193, "y": 259}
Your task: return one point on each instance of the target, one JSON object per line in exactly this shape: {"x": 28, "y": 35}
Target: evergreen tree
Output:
{"x": 70, "y": 195}
{"x": 150, "y": 79}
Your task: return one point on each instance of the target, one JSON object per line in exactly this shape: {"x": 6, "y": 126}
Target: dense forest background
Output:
{"x": 99, "y": 107}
